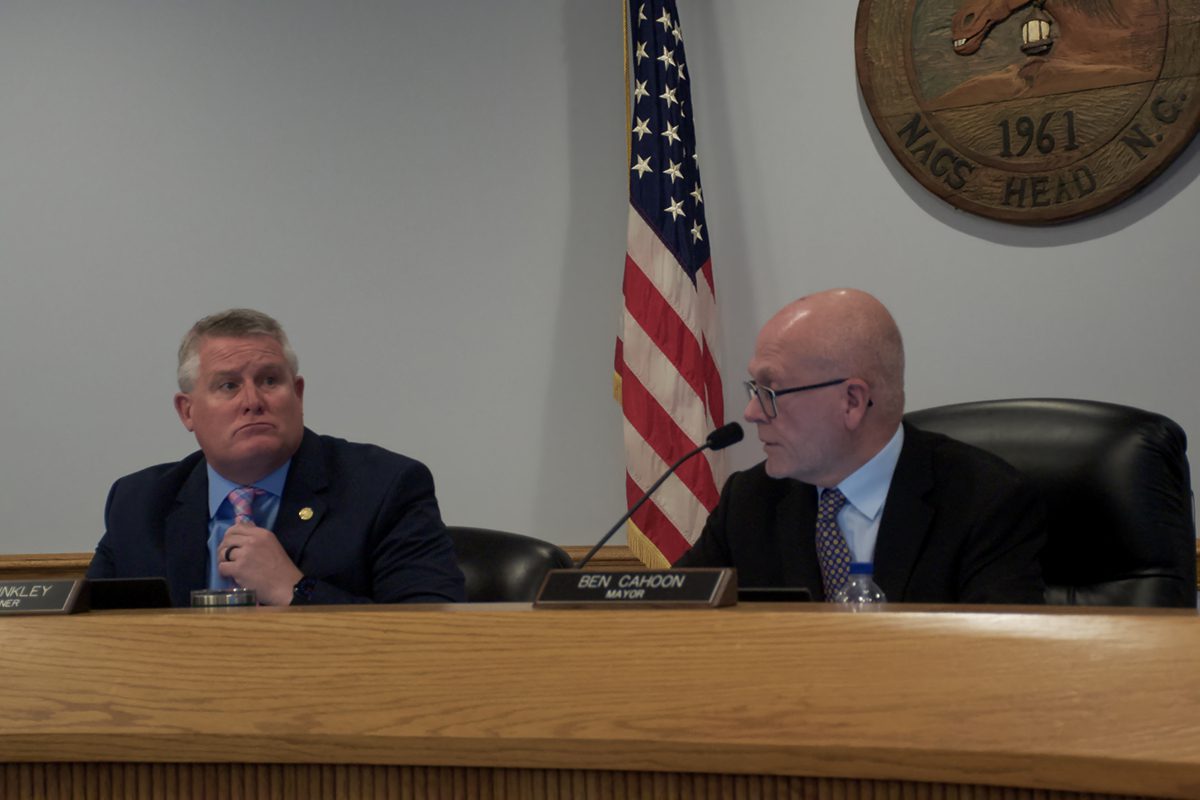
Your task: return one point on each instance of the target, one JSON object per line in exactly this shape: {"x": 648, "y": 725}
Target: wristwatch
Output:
{"x": 302, "y": 591}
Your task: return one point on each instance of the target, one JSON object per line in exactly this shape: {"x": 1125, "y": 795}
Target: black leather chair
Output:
{"x": 503, "y": 567}
{"x": 1115, "y": 479}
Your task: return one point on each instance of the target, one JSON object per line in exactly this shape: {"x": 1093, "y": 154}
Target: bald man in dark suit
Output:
{"x": 845, "y": 481}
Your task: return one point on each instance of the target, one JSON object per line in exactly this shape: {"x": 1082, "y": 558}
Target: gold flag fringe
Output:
{"x": 643, "y": 549}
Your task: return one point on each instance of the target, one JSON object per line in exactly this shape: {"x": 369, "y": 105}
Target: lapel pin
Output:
{"x": 306, "y": 513}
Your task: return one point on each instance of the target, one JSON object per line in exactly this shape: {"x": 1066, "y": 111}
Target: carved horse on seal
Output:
{"x": 1066, "y": 45}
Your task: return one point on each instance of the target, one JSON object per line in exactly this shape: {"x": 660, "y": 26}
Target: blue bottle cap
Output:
{"x": 861, "y": 568}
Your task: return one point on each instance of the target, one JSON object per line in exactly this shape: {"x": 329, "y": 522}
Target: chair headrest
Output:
{"x": 1115, "y": 480}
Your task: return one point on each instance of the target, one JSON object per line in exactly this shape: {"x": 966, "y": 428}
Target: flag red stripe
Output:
{"x": 712, "y": 373}
{"x": 706, "y": 271}
{"x": 667, "y": 538}
{"x": 712, "y": 383}
{"x": 667, "y": 439}
{"x": 663, "y": 325}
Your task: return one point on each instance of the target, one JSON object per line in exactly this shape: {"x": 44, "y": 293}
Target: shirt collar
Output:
{"x": 219, "y": 487}
{"x": 867, "y": 487}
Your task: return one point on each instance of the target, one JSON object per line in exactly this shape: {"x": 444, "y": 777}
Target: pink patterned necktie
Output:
{"x": 242, "y": 500}
{"x": 833, "y": 553}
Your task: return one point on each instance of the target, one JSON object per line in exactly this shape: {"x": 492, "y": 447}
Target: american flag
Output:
{"x": 668, "y": 379}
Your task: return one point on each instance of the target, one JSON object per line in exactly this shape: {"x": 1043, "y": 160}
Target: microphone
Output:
{"x": 719, "y": 439}
{"x": 722, "y": 437}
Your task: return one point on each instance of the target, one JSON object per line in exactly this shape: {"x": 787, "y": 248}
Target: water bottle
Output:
{"x": 860, "y": 592}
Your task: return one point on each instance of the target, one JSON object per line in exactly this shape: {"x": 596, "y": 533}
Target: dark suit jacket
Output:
{"x": 959, "y": 526}
{"x": 375, "y": 533}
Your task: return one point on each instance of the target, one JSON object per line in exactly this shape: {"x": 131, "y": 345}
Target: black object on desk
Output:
{"x": 111, "y": 593}
{"x": 773, "y": 594}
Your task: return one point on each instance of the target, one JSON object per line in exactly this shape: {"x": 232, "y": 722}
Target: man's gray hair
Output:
{"x": 236, "y": 323}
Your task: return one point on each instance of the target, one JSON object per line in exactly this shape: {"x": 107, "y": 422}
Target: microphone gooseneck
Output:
{"x": 719, "y": 439}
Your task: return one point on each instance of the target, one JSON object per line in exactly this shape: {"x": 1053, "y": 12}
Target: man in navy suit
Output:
{"x": 845, "y": 480}
{"x": 268, "y": 505}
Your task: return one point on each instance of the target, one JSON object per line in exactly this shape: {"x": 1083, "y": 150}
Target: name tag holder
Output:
{"x": 689, "y": 587}
{"x": 55, "y": 596}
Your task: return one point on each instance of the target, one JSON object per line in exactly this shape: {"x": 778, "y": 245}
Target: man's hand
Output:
{"x": 255, "y": 559}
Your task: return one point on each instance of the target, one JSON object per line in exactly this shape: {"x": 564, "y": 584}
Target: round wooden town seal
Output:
{"x": 1032, "y": 111}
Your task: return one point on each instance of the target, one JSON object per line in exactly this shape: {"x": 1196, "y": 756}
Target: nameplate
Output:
{"x": 42, "y": 597}
{"x": 681, "y": 588}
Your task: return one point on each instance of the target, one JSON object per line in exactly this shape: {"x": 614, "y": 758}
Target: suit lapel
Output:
{"x": 795, "y": 522}
{"x": 185, "y": 534}
{"x": 907, "y": 515}
{"x": 304, "y": 500}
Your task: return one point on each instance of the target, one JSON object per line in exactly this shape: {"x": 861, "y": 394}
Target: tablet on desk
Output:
{"x": 773, "y": 594}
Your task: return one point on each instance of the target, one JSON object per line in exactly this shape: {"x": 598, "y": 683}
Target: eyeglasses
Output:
{"x": 766, "y": 397}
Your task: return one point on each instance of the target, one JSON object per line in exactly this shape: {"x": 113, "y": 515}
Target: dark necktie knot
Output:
{"x": 831, "y": 502}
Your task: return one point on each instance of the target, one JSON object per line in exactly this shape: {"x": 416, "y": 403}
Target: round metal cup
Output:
{"x": 223, "y": 598}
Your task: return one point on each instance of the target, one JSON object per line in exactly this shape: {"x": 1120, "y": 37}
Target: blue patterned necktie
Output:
{"x": 833, "y": 553}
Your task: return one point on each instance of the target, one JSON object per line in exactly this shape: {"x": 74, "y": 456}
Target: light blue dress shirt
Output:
{"x": 220, "y": 513}
{"x": 866, "y": 490}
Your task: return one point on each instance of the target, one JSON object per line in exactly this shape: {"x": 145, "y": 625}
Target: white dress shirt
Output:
{"x": 866, "y": 490}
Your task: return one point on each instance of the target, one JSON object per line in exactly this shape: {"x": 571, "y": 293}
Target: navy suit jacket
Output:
{"x": 959, "y": 526}
{"x": 375, "y": 533}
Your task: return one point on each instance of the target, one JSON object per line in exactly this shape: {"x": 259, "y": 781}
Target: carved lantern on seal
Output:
{"x": 1037, "y": 30}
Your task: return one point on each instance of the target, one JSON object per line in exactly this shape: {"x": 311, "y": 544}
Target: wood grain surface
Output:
{"x": 1052, "y": 699}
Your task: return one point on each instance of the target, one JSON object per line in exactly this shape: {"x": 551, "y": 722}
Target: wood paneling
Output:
{"x": 43, "y": 565}
{"x": 610, "y": 557}
{"x": 324, "y": 781}
{"x": 1055, "y": 699}
{"x": 74, "y": 565}
{"x": 69, "y": 565}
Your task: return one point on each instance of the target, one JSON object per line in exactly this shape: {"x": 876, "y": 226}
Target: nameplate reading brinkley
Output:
{"x": 675, "y": 587}
{"x": 39, "y": 597}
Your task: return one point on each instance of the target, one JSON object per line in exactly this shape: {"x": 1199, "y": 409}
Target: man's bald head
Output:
{"x": 836, "y": 362}
{"x": 849, "y": 332}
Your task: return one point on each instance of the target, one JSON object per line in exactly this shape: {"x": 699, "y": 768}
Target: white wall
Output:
{"x": 430, "y": 197}
{"x": 803, "y": 194}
